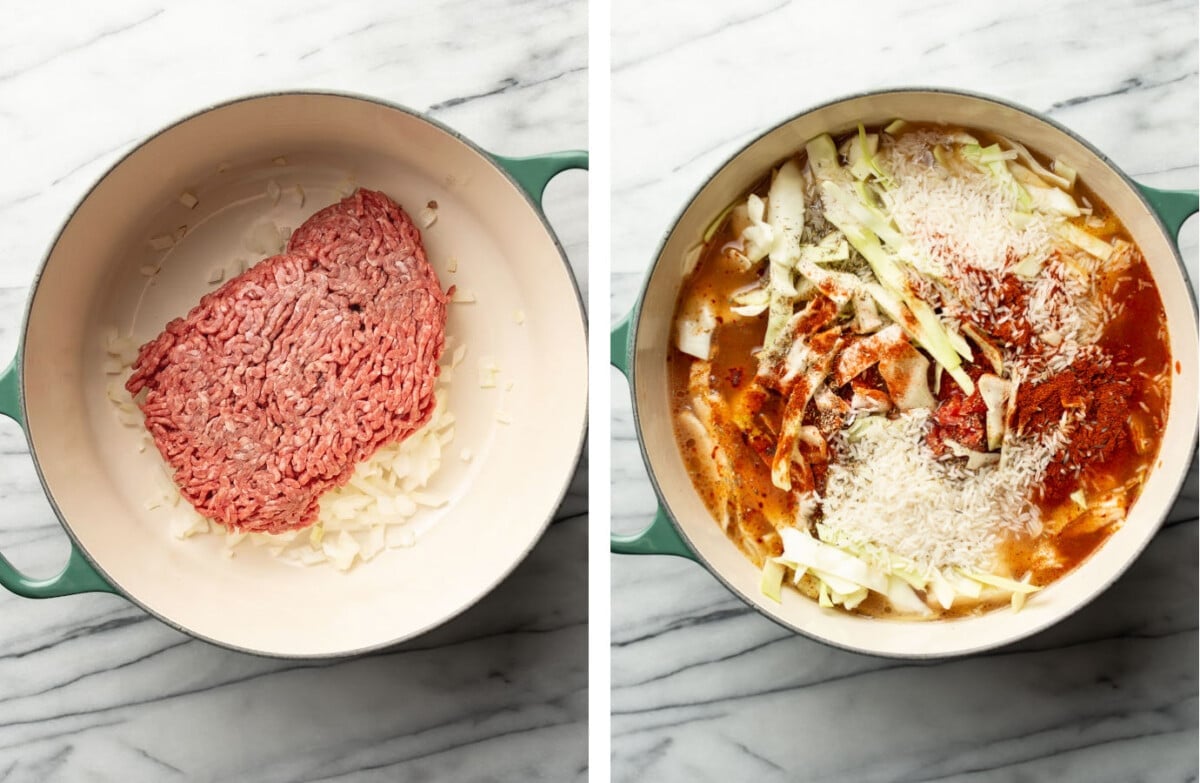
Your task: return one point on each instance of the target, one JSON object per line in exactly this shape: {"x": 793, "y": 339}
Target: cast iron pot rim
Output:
{"x": 635, "y": 319}
{"x": 33, "y": 288}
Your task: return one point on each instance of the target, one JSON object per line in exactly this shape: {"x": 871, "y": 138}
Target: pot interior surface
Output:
{"x": 892, "y": 637}
{"x": 499, "y": 500}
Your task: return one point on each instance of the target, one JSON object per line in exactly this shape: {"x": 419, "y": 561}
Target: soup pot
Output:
{"x": 683, "y": 525}
{"x": 488, "y": 237}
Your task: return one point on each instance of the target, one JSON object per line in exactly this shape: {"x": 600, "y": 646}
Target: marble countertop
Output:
{"x": 705, "y": 689}
{"x": 93, "y": 689}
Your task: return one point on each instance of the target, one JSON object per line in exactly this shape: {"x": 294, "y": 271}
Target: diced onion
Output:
{"x": 264, "y": 238}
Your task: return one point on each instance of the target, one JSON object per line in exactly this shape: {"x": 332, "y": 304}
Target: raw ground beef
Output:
{"x": 278, "y": 383}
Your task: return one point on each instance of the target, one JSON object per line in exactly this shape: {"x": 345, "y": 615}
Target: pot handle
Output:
{"x": 661, "y": 536}
{"x": 535, "y": 172}
{"x": 79, "y": 575}
{"x": 1174, "y": 207}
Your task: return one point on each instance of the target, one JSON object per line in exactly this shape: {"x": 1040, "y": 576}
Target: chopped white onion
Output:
{"x": 374, "y": 543}
{"x": 428, "y": 499}
{"x": 187, "y": 523}
{"x": 342, "y": 550}
{"x": 487, "y": 373}
{"x": 400, "y": 537}
{"x": 264, "y": 238}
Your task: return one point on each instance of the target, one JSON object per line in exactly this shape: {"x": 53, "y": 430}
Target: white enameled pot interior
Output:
{"x": 891, "y": 637}
{"x": 499, "y": 501}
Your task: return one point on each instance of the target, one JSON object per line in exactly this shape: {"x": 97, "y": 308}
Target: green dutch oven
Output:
{"x": 684, "y": 527}
{"x": 490, "y": 238}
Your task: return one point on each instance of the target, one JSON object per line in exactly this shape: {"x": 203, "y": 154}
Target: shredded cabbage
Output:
{"x": 1026, "y": 157}
{"x": 934, "y": 340}
{"x": 1064, "y": 170}
{"x": 822, "y": 158}
{"x": 832, "y": 247}
{"x": 830, "y": 563}
{"x": 860, "y": 156}
{"x": 758, "y": 237}
{"x": 993, "y": 353}
{"x": 1084, "y": 241}
{"x": 750, "y": 301}
{"x": 772, "y": 579}
{"x": 694, "y": 335}
{"x": 904, "y": 597}
{"x": 991, "y": 160}
{"x": 1007, "y": 585}
{"x": 785, "y": 215}
{"x": 862, "y": 223}
{"x": 995, "y": 391}
{"x": 846, "y": 572}
{"x": 1053, "y": 201}
{"x": 1029, "y": 267}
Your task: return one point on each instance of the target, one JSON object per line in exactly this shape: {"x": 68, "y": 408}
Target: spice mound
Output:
{"x": 1096, "y": 399}
{"x": 278, "y": 383}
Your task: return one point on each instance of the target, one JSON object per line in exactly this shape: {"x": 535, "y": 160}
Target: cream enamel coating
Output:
{"x": 500, "y": 501}
{"x": 899, "y": 638}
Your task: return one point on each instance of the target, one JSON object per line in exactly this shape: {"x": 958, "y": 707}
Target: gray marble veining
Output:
{"x": 705, "y": 689}
{"x": 93, "y": 689}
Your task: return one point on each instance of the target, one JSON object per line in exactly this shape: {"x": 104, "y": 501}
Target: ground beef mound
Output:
{"x": 278, "y": 383}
